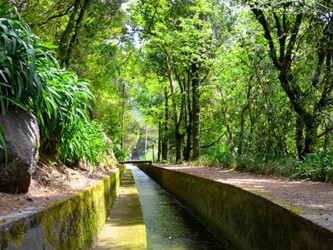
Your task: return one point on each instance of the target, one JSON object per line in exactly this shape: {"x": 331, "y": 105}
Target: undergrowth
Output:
{"x": 316, "y": 166}
{"x": 31, "y": 79}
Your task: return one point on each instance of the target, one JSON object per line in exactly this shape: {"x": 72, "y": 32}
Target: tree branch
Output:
{"x": 281, "y": 36}
{"x": 292, "y": 41}
{"x": 259, "y": 14}
{"x": 213, "y": 143}
{"x": 57, "y": 15}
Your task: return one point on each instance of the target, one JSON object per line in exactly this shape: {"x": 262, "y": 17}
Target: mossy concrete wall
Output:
{"x": 243, "y": 219}
{"x": 67, "y": 224}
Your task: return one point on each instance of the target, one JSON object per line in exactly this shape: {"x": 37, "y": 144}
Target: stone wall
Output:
{"x": 67, "y": 224}
{"x": 240, "y": 218}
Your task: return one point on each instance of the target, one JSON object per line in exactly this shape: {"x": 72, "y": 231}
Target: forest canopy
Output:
{"x": 245, "y": 84}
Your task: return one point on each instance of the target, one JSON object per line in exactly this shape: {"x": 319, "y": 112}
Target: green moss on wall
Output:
{"x": 66, "y": 224}
{"x": 242, "y": 218}
{"x": 16, "y": 234}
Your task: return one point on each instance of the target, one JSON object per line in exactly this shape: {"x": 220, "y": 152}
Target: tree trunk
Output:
{"x": 287, "y": 45}
{"x": 122, "y": 139}
{"x": 299, "y": 138}
{"x": 188, "y": 147}
{"x": 65, "y": 38}
{"x": 165, "y": 137}
{"x": 311, "y": 129}
{"x": 196, "y": 111}
{"x": 241, "y": 133}
{"x": 189, "y": 119}
{"x": 308, "y": 119}
{"x": 178, "y": 116}
{"x": 159, "y": 148}
{"x": 70, "y": 34}
{"x": 179, "y": 144}
{"x": 227, "y": 122}
{"x": 179, "y": 135}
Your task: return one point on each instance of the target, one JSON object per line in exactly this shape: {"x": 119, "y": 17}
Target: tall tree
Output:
{"x": 287, "y": 27}
{"x": 182, "y": 32}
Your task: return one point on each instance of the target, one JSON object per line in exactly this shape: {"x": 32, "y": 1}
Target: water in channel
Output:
{"x": 169, "y": 225}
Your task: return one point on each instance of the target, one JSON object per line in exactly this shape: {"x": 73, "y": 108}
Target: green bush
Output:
{"x": 31, "y": 79}
{"x": 63, "y": 114}
{"x": 217, "y": 155}
{"x": 20, "y": 84}
{"x": 121, "y": 155}
{"x": 317, "y": 166}
{"x": 266, "y": 163}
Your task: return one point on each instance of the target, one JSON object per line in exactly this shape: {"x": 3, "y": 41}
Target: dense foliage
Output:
{"x": 31, "y": 79}
{"x": 242, "y": 83}
{"x": 254, "y": 76}
{"x": 88, "y": 39}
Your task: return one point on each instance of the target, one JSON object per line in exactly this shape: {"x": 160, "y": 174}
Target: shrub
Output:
{"x": 31, "y": 79}
{"x": 266, "y": 163}
{"x": 317, "y": 166}
{"x": 20, "y": 84}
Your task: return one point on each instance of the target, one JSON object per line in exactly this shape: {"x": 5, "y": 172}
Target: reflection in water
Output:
{"x": 169, "y": 225}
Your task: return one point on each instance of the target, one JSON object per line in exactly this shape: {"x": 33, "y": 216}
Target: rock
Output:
{"x": 21, "y": 134}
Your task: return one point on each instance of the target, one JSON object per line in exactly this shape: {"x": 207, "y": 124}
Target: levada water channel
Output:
{"x": 169, "y": 225}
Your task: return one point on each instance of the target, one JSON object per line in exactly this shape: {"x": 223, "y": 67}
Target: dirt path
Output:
{"x": 49, "y": 184}
{"x": 311, "y": 197}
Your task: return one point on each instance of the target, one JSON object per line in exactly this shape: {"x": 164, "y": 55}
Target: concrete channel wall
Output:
{"x": 67, "y": 224}
{"x": 242, "y": 219}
